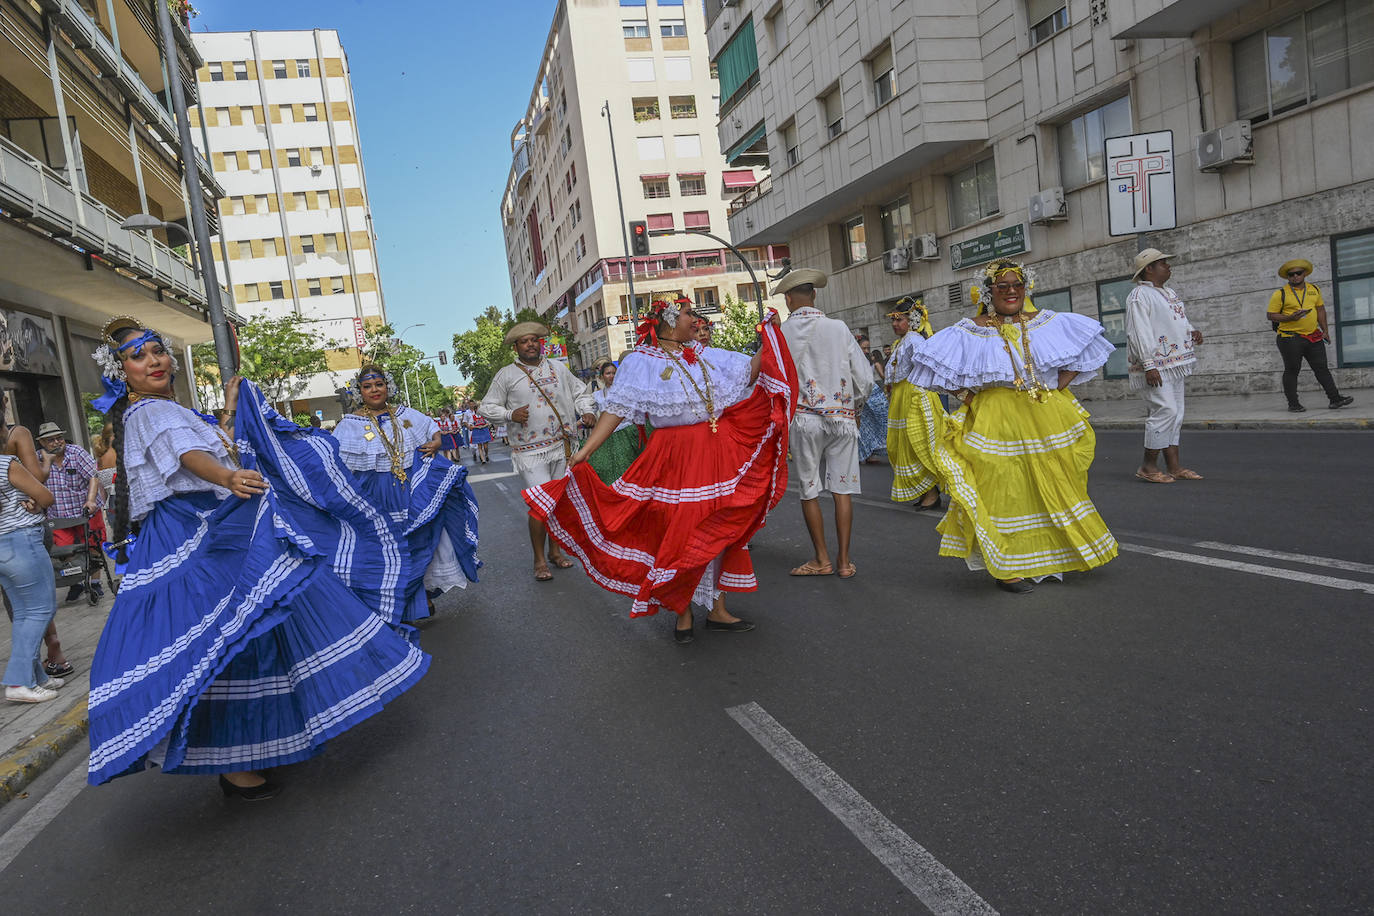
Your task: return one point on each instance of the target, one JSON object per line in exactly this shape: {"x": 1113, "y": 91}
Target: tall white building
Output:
{"x": 908, "y": 142}
{"x": 647, "y": 63}
{"x": 281, "y": 128}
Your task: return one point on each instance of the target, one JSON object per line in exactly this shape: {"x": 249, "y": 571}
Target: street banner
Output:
{"x": 1140, "y": 183}
{"x": 359, "y": 335}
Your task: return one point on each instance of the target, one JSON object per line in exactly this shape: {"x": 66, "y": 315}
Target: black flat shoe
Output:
{"x": 249, "y": 793}
{"x": 738, "y": 626}
{"x": 684, "y": 637}
{"x": 1296, "y": 408}
{"x": 1341, "y": 402}
{"x": 1016, "y": 588}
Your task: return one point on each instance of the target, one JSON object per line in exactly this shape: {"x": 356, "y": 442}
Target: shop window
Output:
{"x": 1353, "y": 256}
{"x": 1111, "y": 311}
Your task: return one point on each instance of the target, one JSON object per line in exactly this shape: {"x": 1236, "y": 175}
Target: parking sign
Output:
{"x": 1140, "y": 183}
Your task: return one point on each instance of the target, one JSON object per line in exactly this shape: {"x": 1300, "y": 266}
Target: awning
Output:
{"x": 742, "y": 147}
{"x": 660, "y": 221}
{"x": 740, "y": 178}
{"x": 690, "y": 174}
{"x": 697, "y": 220}
{"x": 653, "y": 177}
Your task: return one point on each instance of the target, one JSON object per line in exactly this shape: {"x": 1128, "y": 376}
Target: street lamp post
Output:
{"x": 620, "y": 199}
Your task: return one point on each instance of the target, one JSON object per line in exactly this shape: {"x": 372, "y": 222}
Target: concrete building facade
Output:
{"x": 281, "y": 129}
{"x": 908, "y": 142}
{"x": 647, "y": 64}
{"x": 87, "y": 139}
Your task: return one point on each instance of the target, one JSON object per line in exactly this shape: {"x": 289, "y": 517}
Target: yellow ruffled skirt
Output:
{"x": 1017, "y": 474}
{"x": 910, "y": 478}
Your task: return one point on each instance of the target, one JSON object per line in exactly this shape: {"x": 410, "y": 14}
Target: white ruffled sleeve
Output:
{"x": 1071, "y": 342}
{"x": 352, "y": 447}
{"x": 900, "y": 364}
{"x": 640, "y": 391}
{"x": 960, "y": 356}
{"x": 730, "y": 373}
{"x": 156, "y": 435}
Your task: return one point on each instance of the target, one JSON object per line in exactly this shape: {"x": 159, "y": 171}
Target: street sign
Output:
{"x": 1140, "y": 183}
{"x": 1000, "y": 244}
{"x": 359, "y": 335}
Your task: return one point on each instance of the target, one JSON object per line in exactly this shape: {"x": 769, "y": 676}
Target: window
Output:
{"x": 254, "y": 160}
{"x": 682, "y": 106}
{"x": 635, "y": 29}
{"x": 1308, "y": 57}
{"x": 303, "y": 69}
{"x": 565, "y": 142}
{"x": 1057, "y": 300}
{"x": 709, "y": 261}
{"x": 260, "y": 204}
{"x": 313, "y": 288}
{"x": 217, "y": 73}
{"x": 317, "y": 156}
{"x": 972, "y": 194}
{"x": 322, "y": 200}
{"x": 575, "y": 213}
{"x": 279, "y": 69}
{"x": 298, "y": 201}
{"x": 855, "y": 241}
{"x": 269, "y": 248}
{"x": 275, "y": 287}
{"x": 580, "y": 247}
{"x": 884, "y": 76}
{"x": 747, "y": 292}
{"x": 307, "y": 244}
{"x": 691, "y": 185}
{"x": 311, "y": 112}
{"x": 672, "y": 28}
{"x": 293, "y": 157}
{"x": 641, "y": 69}
{"x": 331, "y": 243}
{"x": 249, "y": 118}
{"x": 1046, "y": 17}
{"x": 660, "y": 222}
{"x": 677, "y": 69}
{"x": 240, "y": 69}
{"x": 777, "y": 28}
{"x": 687, "y": 146}
{"x": 738, "y": 64}
{"x": 251, "y": 293}
{"x": 655, "y": 187}
{"x": 898, "y": 227}
{"x": 789, "y": 143}
{"x": 1081, "y": 142}
{"x": 236, "y": 206}
{"x": 697, "y": 219}
{"x": 336, "y": 286}
{"x": 287, "y": 113}
{"x": 242, "y": 250}
{"x": 646, "y": 109}
{"x": 1111, "y": 311}
{"x": 832, "y": 113}
{"x": 706, "y": 300}
{"x": 1353, "y": 257}
{"x": 222, "y": 117}
{"x": 649, "y": 147}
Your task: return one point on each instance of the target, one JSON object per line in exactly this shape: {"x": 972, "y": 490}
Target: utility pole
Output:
{"x": 620, "y": 199}
{"x": 224, "y": 344}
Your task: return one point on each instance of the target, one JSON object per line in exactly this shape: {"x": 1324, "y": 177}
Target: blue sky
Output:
{"x": 435, "y": 184}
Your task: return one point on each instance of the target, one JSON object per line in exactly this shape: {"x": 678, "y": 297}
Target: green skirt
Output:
{"x": 616, "y": 454}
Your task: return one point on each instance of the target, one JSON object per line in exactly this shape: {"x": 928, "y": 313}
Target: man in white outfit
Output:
{"x": 540, "y": 401}
{"x": 834, "y": 378}
{"x": 1160, "y": 356}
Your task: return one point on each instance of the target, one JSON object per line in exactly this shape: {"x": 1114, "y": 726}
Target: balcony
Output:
{"x": 521, "y": 162}
{"x": 1168, "y": 18}
{"x": 751, "y": 195}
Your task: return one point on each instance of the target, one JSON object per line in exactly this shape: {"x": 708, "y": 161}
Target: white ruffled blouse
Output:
{"x": 900, "y": 364}
{"x": 967, "y": 355}
{"x": 156, "y": 434}
{"x": 599, "y": 398}
{"x": 646, "y": 389}
{"x": 363, "y": 454}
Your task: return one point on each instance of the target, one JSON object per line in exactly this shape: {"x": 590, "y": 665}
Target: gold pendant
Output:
{"x": 368, "y": 436}
{"x": 666, "y": 374}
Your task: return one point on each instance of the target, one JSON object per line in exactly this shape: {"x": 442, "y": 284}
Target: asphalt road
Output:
{"x": 1165, "y": 735}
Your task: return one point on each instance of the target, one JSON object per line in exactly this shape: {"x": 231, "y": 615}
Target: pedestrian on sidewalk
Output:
{"x": 1299, "y": 316}
{"x": 75, "y": 486}
{"x": 834, "y": 378}
{"x": 1160, "y": 354}
{"x": 541, "y": 401}
{"x": 911, "y": 481}
{"x": 26, "y": 576}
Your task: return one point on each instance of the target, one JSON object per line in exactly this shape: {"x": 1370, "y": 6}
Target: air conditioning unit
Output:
{"x": 316, "y": 169}
{"x": 925, "y": 247}
{"x": 897, "y": 260}
{"x": 1048, "y": 206}
{"x": 1229, "y": 144}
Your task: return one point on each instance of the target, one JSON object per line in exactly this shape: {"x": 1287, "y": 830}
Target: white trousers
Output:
{"x": 814, "y": 444}
{"x": 1165, "y": 419}
{"x": 540, "y": 465}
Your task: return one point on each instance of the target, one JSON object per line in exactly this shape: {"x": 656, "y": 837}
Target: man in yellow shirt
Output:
{"x": 1299, "y": 317}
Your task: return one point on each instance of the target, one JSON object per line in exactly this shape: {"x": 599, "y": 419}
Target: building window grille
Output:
{"x": 973, "y": 194}
{"x": 832, "y": 111}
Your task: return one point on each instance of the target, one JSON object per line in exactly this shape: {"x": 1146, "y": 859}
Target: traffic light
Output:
{"x": 443, "y": 357}
{"x": 639, "y": 237}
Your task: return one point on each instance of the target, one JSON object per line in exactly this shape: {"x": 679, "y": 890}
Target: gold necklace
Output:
{"x": 392, "y": 445}
{"x": 1032, "y": 384}
{"x": 707, "y": 397}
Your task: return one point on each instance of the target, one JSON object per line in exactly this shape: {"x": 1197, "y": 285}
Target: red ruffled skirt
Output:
{"x": 690, "y": 497}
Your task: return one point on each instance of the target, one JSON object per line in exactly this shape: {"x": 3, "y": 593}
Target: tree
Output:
{"x": 280, "y": 354}
{"x": 737, "y": 326}
{"x": 410, "y": 368}
{"x": 480, "y": 353}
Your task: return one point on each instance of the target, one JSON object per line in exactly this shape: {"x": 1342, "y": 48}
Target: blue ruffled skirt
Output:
{"x": 873, "y": 422}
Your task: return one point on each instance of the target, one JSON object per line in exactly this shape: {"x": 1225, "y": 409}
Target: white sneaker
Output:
{"x": 17, "y": 694}
{"x": 53, "y": 683}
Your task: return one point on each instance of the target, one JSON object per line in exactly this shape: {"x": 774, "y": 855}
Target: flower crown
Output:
{"x": 989, "y": 277}
{"x": 355, "y": 387}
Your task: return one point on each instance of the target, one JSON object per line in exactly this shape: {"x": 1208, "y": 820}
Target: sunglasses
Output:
{"x": 1008, "y": 287}
{"x": 1296, "y": 273}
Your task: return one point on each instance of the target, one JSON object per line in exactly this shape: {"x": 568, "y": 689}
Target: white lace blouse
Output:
{"x": 361, "y": 453}
{"x": 156, "y": 434}
{"x": 599, "y": 398}
{"x": 967, "y": 355}
{"x": 899, "y": 365}
{"x": 642, "y": 392}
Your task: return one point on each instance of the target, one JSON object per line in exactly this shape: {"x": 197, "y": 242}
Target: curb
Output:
{"x": 1280, "y": 425}
{"x": 32, "y": 758}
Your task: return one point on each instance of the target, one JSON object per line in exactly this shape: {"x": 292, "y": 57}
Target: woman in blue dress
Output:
{"x": 234, "y": 644}
{"x": 391, "y": 448}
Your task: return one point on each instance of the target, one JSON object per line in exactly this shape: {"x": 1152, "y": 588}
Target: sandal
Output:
{"x": 542, "y": 574}
{"x": 812, "y": 568}
{"x": 561, "y": 562}
{"x": 847, "y": 571}
{"x": 53, "y": 670}
{"x": 1185, "y": 474}
{"x": 1153, "y": 477}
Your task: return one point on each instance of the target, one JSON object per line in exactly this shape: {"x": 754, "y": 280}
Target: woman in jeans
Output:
{"x": 26, "y": 576}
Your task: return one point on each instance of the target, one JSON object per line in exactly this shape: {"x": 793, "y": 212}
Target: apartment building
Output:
{"x": 647, "y": 64}
{"x": 907, "y": 144}
{"x": 87, "y": 139}
{"x": 281, "y": 128}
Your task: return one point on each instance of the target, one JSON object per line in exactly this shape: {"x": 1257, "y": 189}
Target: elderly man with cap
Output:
{"x": 834, "y": 377}
{"x": 76, "y": 491}
{"x": 540, "y": 401}
{"x": 1160, "y": 356}
{"x": 1299, "y": 317}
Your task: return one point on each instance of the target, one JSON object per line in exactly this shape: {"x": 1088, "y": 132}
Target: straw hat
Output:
{"x": 1146, "y": 258}
{"x": 1294, "y": 264}
{"x": 524, "y": 328}
{"x": 50, "y": 429}
{"x": 802, "y": 276}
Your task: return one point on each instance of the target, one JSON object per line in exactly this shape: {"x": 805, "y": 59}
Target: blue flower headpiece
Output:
{"x": 110, "y": 356}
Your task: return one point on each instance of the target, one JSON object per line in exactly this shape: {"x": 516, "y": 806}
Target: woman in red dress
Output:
{"x": 674, "y": 529}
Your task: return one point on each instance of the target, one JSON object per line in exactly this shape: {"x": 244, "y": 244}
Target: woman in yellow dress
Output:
{"x": 1015, "y": 457}
{"x": 910, "y": 479}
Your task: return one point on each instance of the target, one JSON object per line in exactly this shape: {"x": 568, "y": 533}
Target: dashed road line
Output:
{"x": 1253, "y": 568}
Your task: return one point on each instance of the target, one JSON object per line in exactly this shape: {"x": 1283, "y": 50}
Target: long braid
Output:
{"x": 119, "y": 506}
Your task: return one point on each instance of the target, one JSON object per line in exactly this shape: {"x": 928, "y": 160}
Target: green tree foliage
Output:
{"x": 408, "y": 366}
{"x": 279, "y": 354}
{"x": 480, "y": 353}
{"x": 736, "y": 326}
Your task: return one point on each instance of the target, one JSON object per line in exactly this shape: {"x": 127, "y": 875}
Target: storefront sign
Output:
{"x": 359, "y": 335}
{"x": 27, "y": 344}
{"x": 1000, "y": 244}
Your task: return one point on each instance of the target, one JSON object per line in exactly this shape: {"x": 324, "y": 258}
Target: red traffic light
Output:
{"x": 639, "y": 237}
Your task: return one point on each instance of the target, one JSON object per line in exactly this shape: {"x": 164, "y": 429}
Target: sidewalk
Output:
{"x": 1244, "y": 411}
{"x": 34, "y": 735}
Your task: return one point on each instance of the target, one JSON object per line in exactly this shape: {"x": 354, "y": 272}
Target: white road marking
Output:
{"x": 1327, "y": 562}
{"x": 1253, "y": 568}
{"x": 933, "y": 884}
{"x": 12, "y": 843}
